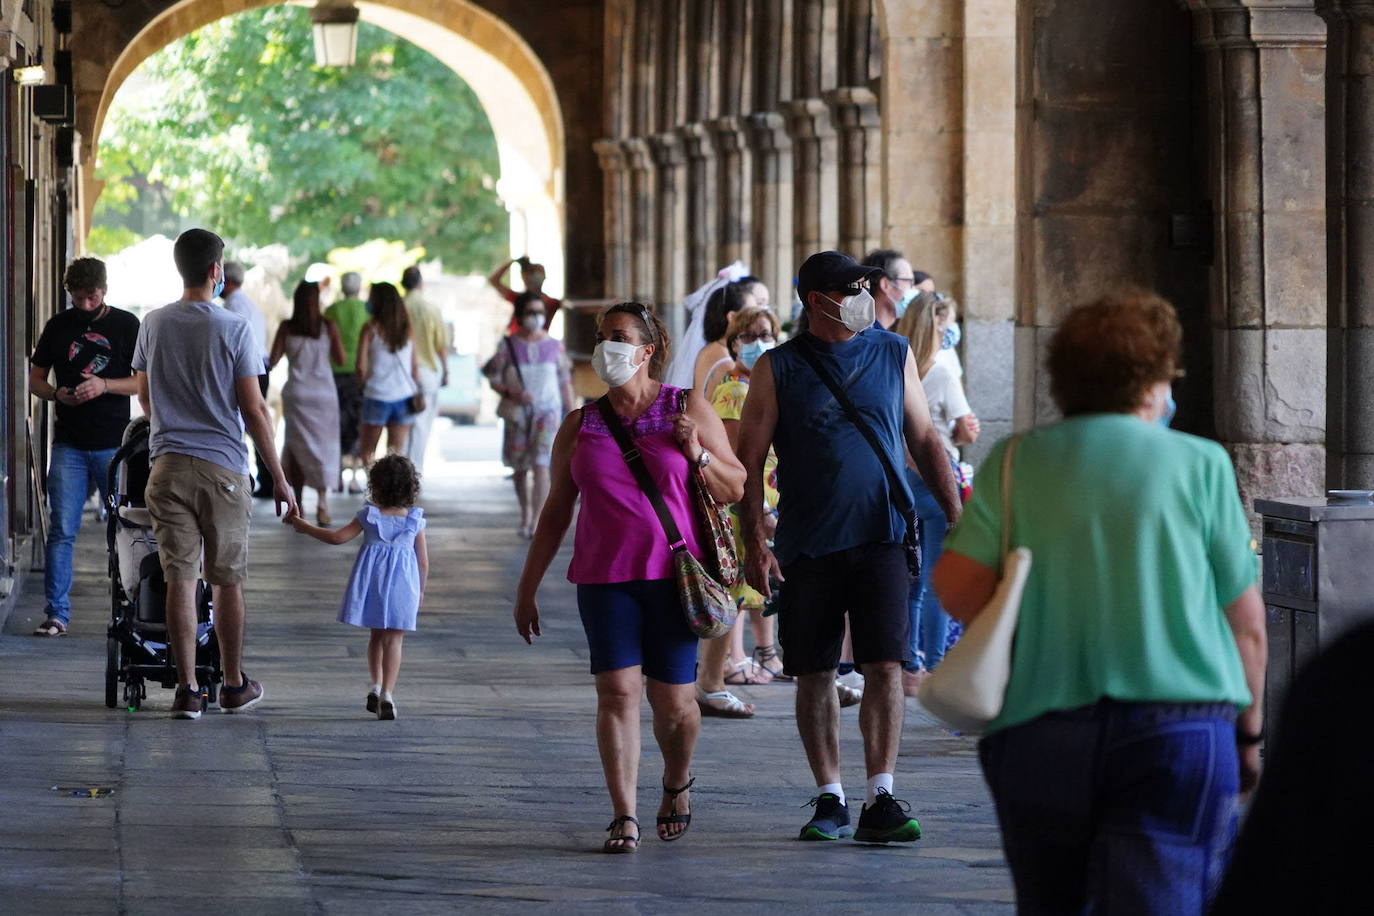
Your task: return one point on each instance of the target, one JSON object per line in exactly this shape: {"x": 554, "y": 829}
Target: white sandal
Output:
{"x": 724, "y": 704}
{"x": 848, "y": 696}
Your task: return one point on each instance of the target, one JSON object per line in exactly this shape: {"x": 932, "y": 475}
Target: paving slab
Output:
{"x": 486, "y": 795}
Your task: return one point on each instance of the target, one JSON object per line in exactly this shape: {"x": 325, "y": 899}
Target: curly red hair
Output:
{"x": 1108, "y": 353}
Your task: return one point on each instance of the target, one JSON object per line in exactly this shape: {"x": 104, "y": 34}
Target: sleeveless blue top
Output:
{"x": 834, "y": 494}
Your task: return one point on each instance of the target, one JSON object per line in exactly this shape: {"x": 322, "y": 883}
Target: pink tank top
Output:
{"x": 619, "y": 538}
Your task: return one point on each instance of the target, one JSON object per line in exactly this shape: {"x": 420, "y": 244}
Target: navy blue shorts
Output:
{"x": 387, "y": 413}
{"x": 638, "y": 623}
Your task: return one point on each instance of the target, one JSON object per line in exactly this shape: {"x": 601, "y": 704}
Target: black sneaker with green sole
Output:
{"x": 887, "y": 821}
{"x": 831, "y": 820}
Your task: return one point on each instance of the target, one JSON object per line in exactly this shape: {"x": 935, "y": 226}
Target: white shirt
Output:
{"x": 239, "y": 303}
{"x": 945, "y": 395}
{"x": 950, "y": 360}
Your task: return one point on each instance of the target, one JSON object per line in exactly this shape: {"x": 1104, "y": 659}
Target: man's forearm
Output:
{"x": 933, "y": 464}
{"x": 125, "y": 386}
{"x": 751, "y": 510}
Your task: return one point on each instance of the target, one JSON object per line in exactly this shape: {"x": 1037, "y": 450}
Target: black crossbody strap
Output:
{"x": 640, "y": 471}
{"x": 893, "y": 481}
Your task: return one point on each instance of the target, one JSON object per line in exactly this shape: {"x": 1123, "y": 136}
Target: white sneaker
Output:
{"x": 853, "y": 680}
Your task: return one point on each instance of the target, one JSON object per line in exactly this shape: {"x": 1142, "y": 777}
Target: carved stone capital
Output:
{"x": 698, "y": 142}
{"x": 768, "y": 132}
{"x": 808, "y": 118}
{"x": 854, "y": 107}
{"x": 609, "y": 155}
{"x": 667, "y": 150}
{"x": 638, "y": 156}
{"x": 731, "y": 134}
{"x": 1257, "y": 24}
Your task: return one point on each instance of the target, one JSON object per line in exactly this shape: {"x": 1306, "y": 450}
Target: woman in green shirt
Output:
{"x": 1132, "y": 716}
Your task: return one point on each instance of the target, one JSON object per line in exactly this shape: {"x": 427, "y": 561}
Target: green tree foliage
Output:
{"x": 235, "y": 128}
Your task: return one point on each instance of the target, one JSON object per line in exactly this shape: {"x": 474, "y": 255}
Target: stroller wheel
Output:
{"x": 133, "y": 694}
{"x": 111, "y": 672}
{"x": 213, "y": 690}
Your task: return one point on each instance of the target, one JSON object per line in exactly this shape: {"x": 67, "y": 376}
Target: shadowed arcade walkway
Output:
{"x": 485, "y": 793}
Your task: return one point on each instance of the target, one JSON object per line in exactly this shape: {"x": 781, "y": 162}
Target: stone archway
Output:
{"x": 507, "y": 77}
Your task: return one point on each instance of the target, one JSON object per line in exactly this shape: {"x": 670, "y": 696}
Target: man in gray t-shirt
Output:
{"x": 198, "y": 371}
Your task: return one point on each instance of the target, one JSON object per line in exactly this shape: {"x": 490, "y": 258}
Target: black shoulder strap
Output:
{"x": 641, "y": 473}
{"x": 894, "y": 482}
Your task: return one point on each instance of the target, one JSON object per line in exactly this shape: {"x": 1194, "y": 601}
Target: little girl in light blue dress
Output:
{"x": 387, "y": 585}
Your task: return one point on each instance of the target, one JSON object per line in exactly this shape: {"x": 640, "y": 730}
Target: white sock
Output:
{"x": 386, "y": 698}
{"x": 376, "y": 690}
{"x": 832, "y": 788}
{"x": 882, "y": 781}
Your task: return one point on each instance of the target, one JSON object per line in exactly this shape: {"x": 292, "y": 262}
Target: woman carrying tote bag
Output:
{"x": 1131, "y": 717}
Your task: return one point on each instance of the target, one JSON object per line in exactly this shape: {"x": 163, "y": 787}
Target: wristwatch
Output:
{"x": 1245, "y": 740}
{"x": 703, "y": 459}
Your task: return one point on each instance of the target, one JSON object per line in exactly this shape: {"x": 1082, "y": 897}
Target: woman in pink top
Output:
{"x": 622, "y": 564}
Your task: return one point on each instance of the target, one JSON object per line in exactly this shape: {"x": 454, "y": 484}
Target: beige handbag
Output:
{"x": 967, "y": 690}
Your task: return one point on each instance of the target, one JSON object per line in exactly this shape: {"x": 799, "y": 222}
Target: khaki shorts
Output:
{"x": 194, "y": 502}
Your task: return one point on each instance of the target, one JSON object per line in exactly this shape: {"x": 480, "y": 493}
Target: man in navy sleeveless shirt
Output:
{"x": 838, "y": 545}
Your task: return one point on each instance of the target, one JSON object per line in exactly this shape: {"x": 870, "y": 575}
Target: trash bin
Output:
{"x": 1318, "y": 581}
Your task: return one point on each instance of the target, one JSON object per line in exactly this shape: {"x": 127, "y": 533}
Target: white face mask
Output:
{"x": 534, "y": 322}
{"x": 856, "y": 312}
{"x": 614, "y": 362}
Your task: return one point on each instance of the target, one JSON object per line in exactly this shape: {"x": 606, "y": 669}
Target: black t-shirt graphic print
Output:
{"x": 72, "y": 344}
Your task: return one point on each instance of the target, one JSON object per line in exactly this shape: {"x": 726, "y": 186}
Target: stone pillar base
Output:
{"x": 1274, "y": 470}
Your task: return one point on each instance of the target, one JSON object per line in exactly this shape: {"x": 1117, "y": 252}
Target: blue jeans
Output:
{"x": 1116, "y": 807}
{"x": 71, "y": 475}
{"x": 929, "y": 622}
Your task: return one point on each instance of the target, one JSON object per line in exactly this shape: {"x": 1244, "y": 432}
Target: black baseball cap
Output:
{"x": 831, "y": 270}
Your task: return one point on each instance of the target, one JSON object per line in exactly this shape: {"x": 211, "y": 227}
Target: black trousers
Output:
{"x": 264, "y": 476}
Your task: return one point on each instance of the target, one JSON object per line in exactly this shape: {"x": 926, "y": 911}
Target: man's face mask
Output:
{"x": 856, "y": 311}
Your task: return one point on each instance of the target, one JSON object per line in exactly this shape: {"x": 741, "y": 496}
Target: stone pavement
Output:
{"x": 486, "y": 793}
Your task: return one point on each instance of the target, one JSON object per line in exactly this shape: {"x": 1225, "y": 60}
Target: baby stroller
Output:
{"x": 136, "y": 643}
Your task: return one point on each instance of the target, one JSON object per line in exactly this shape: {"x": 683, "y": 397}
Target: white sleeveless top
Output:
{"x": 388, "y": 377}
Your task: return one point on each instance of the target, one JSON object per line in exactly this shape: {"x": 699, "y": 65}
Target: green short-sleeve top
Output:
{"x": 349, "y": 315}
{"x": 1139, "y": 541}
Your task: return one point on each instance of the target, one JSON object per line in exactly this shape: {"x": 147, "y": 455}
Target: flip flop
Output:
{"x": 744, "y": 673}
{"x": 51, "y": 627}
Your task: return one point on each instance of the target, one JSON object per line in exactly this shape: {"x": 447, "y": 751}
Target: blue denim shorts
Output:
{"x": 641, "y": 624}
{"x": 387, "y": 413}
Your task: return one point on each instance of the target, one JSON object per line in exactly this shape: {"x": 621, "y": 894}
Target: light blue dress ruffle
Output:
{"x": 384, "y": 588}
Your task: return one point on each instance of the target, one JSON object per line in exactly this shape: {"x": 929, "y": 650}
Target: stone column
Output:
{"x": 771, "y": 150}
{"x": 734, "y": 190}
{"x": 699, "y": 146}
{"x": 616, "y": 216}
{"x": 814, "y": 178}
{"x": 670, "y": 219}
{"x": 988, "y": 241}
{"x": 815, "y": 185}
{"x": 772, "y": 249}
{"x": 1108, "y": 171}
{"x": 1350, "y": 242}
{"x": 860, "y": 204}
{"x": 640, "y": 164}
{"x": 1265, "y": 71}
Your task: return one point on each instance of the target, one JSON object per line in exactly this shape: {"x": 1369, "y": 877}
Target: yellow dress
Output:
{"x": 728, "y": 403}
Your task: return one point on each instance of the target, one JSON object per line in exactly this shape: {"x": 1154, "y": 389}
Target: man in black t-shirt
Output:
{"x": 87, "y": 350}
